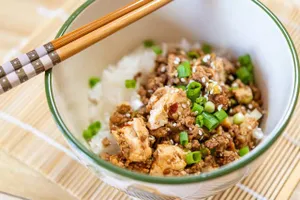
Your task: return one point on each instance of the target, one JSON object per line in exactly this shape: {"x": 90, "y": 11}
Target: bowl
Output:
{"x": 239, "y": 26}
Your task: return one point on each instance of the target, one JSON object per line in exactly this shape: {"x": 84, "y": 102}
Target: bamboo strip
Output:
{"x": 290, "y": 184}
{"x": 268, "y": 180}
{"x": 259, "y": 183}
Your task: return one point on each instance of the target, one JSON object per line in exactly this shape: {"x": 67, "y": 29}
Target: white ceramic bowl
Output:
{"x": 241, "y": 26}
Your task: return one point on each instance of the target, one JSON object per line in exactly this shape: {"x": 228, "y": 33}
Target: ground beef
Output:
{"x": 195, "y": 168}
{"x": 219, "y": 142}
{"x": 155, "y": 82}
{"x": 221, "y": 99}
{"x": 122, "y": 115}
{"x": 227, "y": 157}
{"x": 238, "y": 109}
{"x": 195, "y": 132}
{"x": 210, "y": 163}
{"x": 149, "y": 138}
{"x": 195, "y": 145}
{"x": 140, "y": 166}
{"x": 200, "y": 72}
{"x": 105, "y": 156}
{"x": 106, "y": 142}
{"x": 256, "y": 92}
{"x": 118, "y": 160}
{"x": 143, "y": 95}
{"x": 160, "y": 132}
{"x": 245, "y": 137}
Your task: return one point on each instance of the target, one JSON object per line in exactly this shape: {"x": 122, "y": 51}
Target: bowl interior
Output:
{"x": 240, "y": 26}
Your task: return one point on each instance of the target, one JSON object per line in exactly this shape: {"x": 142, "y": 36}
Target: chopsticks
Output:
{"x": 41, "y": 51}
{"x": 28, "y": 65}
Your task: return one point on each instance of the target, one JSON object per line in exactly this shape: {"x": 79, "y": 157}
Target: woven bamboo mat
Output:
{"x": 29, "y": 134}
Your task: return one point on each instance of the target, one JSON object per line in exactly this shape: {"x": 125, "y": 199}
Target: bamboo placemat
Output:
{"x": 29, "y": 134}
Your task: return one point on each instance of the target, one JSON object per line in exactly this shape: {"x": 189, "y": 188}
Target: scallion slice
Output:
{"x": 92, "y": 130}
{"x": 93, "y": 81}
{"x": 130, "y": 83}
{"x": 250, "y": 67}
{"x": 193, "y": 90}
{"x": 184, "y": 70}
{"x": 209, "y": 107}
{"x": 206, "y": 48}
{"x": 204, "y": 151}
{"x": 233, "y": 102}
{"x": 183, "y": 137}
{"x": 193, "y": 157}
{"x": 238, "y": 118}
{"x": 245, "y": 60}
{"x": 197, "y": 108}
{"x": 200, "y": 120}
{"x": 193, "y": 55}
{"x": 181, "y": 87}
{"x": 201, "y": 100}
{"x": 148, "y": 43}
{"x": 95, "y": 126}
{"x": 243, "y": 151}
{"x": 221, "y": 115}
{"x": 209, "y": 121}
{"x": 244, "y": 75}
{"x": 87, "y": 134}
{"x": 157, "y": 50}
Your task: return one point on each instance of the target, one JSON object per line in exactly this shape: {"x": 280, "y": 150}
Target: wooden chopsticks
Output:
{"x": 102, "y": 32}
{"x": 69, "y": 37}
{"x": 66, "y": 39}
{"x": 45, "y": 57}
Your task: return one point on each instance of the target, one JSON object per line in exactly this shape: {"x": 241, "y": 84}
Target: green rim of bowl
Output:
{"x": 185, "y": 179}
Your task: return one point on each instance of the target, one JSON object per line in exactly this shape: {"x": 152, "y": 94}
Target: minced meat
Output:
{"x": 149, "y": 138}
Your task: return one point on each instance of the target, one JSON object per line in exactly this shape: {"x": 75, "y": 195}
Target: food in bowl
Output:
{"x": 174, "y": 110}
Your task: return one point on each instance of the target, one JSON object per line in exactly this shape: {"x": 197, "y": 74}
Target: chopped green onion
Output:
{"x": 245, "y": 60}
{"x": 92, "y": 130}
{"x": 200, "y": 120}
{"x": 193, "y": 55}
{"x": 244, "y": 75}
{"x": 201, "y": 100}
{"x": 238, "y": 118}
{"x": 197, "y": 108}
{"x": 93, "y": 81}
{"x": 193, "y": 157}
{"x": 193, "y": 90}
{"x": 130, "y": 83}
{"x": 157, "y": 50}
{"x": 243, "y": 151}
{"x": 251, "y": 78}
{"x": 183, "y": 137}
{"x": 181, "y": 87}
{"x": 221, "y": 115}
{"x": 148, "y": 43}
{"x": 209, "y": 107}
{"x": 204, "y": 151}
{"x": 95, "y": 126}
{"x": 184, "y": 70}
{"x": 206, "y": 48}
{"x": 233, "y": 102}
{"x": 88, "y": 134}
{"x": 250, "y": 67}
{"x": 210, "y": 121}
